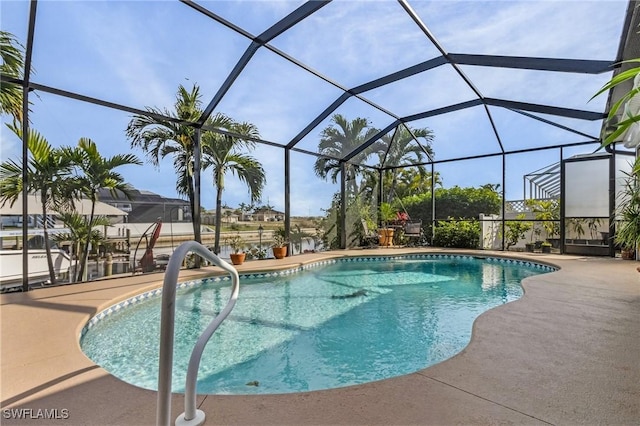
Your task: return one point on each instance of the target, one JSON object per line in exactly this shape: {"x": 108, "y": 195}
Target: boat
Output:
{"x": 38, "y": 268}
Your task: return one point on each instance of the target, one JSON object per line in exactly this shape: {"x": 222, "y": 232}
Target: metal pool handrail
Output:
{"x": 191, "y": 416}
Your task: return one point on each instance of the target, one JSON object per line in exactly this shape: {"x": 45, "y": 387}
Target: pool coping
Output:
{"x": 43, "y": 367}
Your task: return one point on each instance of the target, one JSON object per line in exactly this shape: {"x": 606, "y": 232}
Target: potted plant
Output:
{"x": 546, "y": 247}
{"x": 531, "y": 245}
{"x": 516, "y": 230}
{"x": 237, "y": 244}
{"x": 256, "y": 253}
{"x": 279, "y": 246}
{"x": 627, "y": 234}
{"x": 385, "y": 233}
{"x": 548, "y": 212}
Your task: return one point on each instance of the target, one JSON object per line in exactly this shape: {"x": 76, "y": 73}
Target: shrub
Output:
{"x": 466, "y": 203}
{"x": 516, "y": 230}
{"x": 457, "y": 233}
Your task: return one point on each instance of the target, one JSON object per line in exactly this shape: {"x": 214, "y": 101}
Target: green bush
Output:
{"x": 466, "y": 203}
{"x": 516, "y": 230}
{"x": 457, "y": 233}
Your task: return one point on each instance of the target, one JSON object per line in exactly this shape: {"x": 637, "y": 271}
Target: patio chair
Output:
{"x": 370, "y": 237}
{"x": 413, "y": 232}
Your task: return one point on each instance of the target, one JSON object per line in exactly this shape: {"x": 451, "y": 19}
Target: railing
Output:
{"x": 520, "y": 206}
{"x": 191, "y": 415}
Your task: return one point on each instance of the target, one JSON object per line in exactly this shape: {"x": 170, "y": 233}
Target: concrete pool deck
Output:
{"x": 567, "y": 352}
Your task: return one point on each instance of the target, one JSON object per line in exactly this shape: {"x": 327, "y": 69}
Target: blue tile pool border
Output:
{"x": 117, "y": 307}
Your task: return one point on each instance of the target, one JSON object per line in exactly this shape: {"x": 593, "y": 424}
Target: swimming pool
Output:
{"x": 333, "y": 324}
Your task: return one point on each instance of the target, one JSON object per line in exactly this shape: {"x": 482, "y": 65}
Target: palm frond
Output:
{"x": 250, "y": 171}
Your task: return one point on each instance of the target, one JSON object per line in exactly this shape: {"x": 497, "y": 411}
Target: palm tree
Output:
{"x": 396, "y": 152}
{"x": 12, "y": 66}
{"x": 98, "y": 172}
{"x": 401, "y": 150}
{"x": 223, "y": 153}
{"x": 48, "y": 174}
{"x": 245, "y": 208}
{"x": 368, "y": 185}
{"x": 266, "y": 207}
{"x": 415, "y": 182}
{"x": 79, "y": 232}
{"x": 339, "y": 139}
{"x": 161, "y": 138}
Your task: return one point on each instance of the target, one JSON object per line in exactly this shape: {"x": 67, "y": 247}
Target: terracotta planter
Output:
{"x": 237, "y": 258}
{"x": 628, "y": 254}
{"x": 385, "y": 237}
{"x": 279, "y": 252}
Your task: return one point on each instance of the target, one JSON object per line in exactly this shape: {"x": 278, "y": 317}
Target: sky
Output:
{"x": 136, "y": 53}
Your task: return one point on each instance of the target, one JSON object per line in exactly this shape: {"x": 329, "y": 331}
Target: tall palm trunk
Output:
{"x": 76, "y": 248}
{"x": 351, "y": 186}
{"x": 192, "y": 204}
{"x": 392, "y": 187}
{"x": 219, "y": 186}
{"x": 45, "y": 231}
{"x": 85, "y": 251}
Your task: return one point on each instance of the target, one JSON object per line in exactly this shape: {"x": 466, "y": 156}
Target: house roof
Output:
{"x": 267, "y": 211}
{"x": 83, "y": 207}
{"x": 137, "y": 196}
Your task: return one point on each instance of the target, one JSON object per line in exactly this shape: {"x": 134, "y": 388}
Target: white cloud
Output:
{"x": 115, "y": 37}
{"x": 432, "y": 89}
{"x": 278, "y": 97}
{"x": 354, "y": 42}
{"x": 540, "y": 87}
{"x": 309, "y": 193}
{"x": 580, "y": 30}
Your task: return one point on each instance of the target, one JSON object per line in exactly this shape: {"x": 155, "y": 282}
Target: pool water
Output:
{"x": 328, "y": 327}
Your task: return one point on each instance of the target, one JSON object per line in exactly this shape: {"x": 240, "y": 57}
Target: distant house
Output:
{"x": 247, "y": 217}
{"x": 268, "y": 215}
{"x": 228, "y": 216}
{"x": 147, "y": 206}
